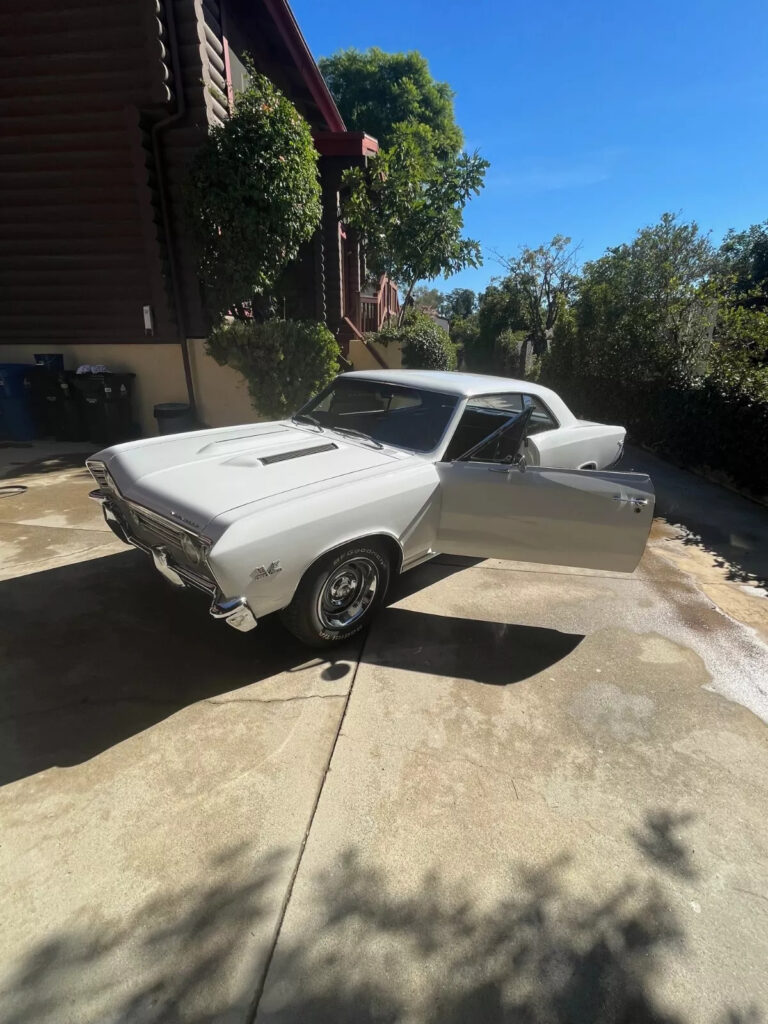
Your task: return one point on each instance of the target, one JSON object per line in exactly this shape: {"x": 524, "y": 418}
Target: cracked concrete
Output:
{"x": 276, "y": 700}
{"x": 531, "y": 795}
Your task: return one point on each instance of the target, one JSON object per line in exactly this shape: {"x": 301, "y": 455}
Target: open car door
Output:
{"x": 586, "y": 518}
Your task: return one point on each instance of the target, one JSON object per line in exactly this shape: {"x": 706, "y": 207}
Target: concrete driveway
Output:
{"x": 535, "y": 797}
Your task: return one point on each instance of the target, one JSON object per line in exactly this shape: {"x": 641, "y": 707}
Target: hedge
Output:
{"x": 285, "y": 362}
{"x": 425, "y": 345}
{"x": 704, "y": 425}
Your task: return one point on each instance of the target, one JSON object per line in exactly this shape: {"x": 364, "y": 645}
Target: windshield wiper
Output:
{"x": 358, "y": 433}
{"x": 304, "y": 417}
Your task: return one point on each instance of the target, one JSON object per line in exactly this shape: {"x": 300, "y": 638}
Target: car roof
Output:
{"x": 467, "y": 385}
{"x": 452, "y": 382}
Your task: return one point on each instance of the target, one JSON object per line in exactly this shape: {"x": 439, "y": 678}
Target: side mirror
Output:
{"x": 520, "y": 462}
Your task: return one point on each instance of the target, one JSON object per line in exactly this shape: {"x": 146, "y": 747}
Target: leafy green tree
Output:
{"x": 525, "y": 305}
{"x": 458, "y": 304}
{"x": 425, "y": 297}
{"x": 742, "y": 267}
{"x": 500, "y": 308}
{"x": 408, "y": 206}
{"x": 642, "y": 311}
{"x": 464, "y": 335}
{"x": 739, "y": 354}
{"x": 739, "y": 286}
{"x": 377, "y": 91}
{"x": 544, "y": 279}
{"x": 285, "y": 362}
{"x": 425, "y": 345}
{"x": 252, "y": 196}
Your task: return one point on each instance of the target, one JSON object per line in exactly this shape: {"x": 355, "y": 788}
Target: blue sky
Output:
{"x": 596, "y": 117}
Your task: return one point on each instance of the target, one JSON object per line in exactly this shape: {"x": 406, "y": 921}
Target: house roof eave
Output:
{"x": 292, "y": 36}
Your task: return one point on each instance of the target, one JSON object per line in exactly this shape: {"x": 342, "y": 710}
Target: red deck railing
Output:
{"x": 376, "y": 309}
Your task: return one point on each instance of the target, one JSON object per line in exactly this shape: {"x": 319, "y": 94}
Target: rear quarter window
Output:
{"x": 542, "y": 419}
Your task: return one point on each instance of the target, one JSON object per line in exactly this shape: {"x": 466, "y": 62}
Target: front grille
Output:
{"x": 159, "y": 530}
{"x": 149, "y": 530}
{"x": 206, "y": 583}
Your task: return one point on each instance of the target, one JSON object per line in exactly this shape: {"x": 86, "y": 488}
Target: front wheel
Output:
{"x": 339, "y": 595}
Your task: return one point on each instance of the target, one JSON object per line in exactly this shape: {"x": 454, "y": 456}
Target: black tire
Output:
{"x": 339, "y": 595}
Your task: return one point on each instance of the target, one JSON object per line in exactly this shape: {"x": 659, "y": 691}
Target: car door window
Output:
{"x": 482, "y": 415}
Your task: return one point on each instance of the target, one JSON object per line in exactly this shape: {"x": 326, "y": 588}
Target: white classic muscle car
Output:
{"x": 312, "y": 516}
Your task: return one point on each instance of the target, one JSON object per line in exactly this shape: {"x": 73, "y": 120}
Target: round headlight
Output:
{"x": 193, "y": 551}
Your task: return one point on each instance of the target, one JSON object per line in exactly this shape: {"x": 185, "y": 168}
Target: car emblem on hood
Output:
{"x": 187, "y": 522}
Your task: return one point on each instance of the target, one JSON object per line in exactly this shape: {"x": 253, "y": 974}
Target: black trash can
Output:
{"x": 65, "y": 407}
{"x": 107, "y": 405}
{"x": 175, "y": 418}
{"x": 44, "y": 392}
{"x": 53, "y": 361}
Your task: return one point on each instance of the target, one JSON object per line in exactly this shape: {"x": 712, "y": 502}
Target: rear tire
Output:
{"x": 339, "y": 595}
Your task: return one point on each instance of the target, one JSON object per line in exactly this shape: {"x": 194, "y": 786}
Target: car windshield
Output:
{"x": 388, "y": 413}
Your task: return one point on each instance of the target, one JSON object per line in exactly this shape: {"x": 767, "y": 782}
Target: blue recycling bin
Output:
{"x": 17, "y": 419}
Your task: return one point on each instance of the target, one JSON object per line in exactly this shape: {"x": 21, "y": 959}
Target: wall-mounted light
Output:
{"x": 149, "y": 327}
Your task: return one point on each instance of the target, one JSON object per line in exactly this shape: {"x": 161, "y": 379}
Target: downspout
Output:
{"x": 157, "y": 128}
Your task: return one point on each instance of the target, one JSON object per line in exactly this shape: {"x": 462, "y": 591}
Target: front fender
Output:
{"x": 264, "y": 554}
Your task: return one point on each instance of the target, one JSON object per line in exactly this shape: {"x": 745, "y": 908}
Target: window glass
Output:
{"x": 401, "y": 416}
{"x": 481, "y": 416}
{"x": 542, "y": 419}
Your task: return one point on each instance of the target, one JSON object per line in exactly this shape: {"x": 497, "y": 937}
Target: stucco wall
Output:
{"x": 221, "y": 393}
{"x": 159, "y": 370}
{"x": 361, "y": 358}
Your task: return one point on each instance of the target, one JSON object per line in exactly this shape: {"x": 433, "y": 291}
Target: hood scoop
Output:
{"x": 297, "y": 453}
{"x": 243, "y": 441}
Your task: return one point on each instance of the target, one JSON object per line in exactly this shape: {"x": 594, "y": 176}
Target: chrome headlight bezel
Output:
{"x": 194, "y": 549}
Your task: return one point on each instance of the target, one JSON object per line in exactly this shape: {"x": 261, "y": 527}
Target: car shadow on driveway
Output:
{"x": 98, "y": 651}
{"x": 496, "y": 653}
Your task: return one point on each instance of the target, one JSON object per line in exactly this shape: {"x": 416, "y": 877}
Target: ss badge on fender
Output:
{"x": 261, "y": 572}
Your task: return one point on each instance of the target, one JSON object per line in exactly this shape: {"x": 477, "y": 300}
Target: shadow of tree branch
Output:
{"x": 660, "y": 843}
{"x": 372, "y": 950}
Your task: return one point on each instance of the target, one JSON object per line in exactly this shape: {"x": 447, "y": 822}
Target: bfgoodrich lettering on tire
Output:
{"x": 339, "y": 594}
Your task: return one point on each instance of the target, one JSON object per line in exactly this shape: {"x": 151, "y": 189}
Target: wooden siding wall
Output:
{"x": 80, "y": 249}
{"x": 195, "y": 27}
{"x": 85, "y": 241}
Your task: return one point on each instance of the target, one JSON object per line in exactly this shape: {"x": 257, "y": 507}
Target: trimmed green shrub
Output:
{"x": 425, "y": 345}
{"x": 285, "y": 362}
{"x": 252, "y": 196}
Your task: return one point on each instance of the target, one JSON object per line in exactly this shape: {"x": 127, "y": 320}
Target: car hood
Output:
{"x": 198, "y": 476}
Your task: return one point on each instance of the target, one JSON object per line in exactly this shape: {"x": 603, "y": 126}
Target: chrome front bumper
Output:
{"x": 234, "y": 611}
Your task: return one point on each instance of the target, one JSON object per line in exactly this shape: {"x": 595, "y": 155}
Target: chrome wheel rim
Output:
{"x": 347, "y": 593}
